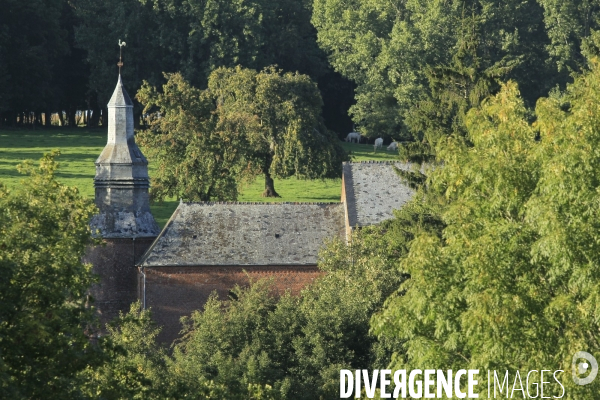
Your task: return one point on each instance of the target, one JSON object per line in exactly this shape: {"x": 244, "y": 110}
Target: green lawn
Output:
{"x": 80, "y": 148}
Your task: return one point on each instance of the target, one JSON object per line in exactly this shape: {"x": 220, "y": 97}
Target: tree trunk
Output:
{"x": 94, "y": 113}
{"x": 269, "y": 185}
{"x": 95, "y": 119}
{"x": 71, "y": 116}
{"x": 48, "y": 119}
{"x": 61, "y": 118}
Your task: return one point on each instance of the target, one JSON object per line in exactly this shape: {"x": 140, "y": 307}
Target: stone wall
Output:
{"x": 114, "y": 263}
{"x": 173, "y": 292}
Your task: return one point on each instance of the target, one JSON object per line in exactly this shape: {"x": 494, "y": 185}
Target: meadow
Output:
{"x": 80, "y": 147}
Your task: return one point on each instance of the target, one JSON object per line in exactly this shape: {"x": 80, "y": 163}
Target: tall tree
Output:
{"x": 414, "y": 59}
{"x": 44, "y": 313}
{"x": 281, "y": 117}
{"x": 32, "y": 43}
{"x": 511, "y": 281}
{"x": 246, "y": 123}
{"x": 570, "y": 25}
{"x": 196, "y": 160}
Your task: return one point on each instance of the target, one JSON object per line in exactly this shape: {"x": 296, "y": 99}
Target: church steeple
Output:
{"x": 121, "y": 181}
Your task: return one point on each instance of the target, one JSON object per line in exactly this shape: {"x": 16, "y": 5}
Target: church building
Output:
{"x": 210, "y": 247}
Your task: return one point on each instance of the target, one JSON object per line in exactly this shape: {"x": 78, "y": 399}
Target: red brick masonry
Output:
{"x": 114, "y": 263}
{"x": 172, "y": 292}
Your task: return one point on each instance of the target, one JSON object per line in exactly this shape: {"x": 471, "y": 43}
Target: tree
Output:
{"x": 570, "y": 25}
{"x": 194, "y": 38}
{"x": 281, "y": 117}
{"x": 511, "y": 281}
{"x": 196, "y": 159}
{"x": 46, "y": 323}
{"x": 246, "y": 123}
{"x": 294, "y": 346}
{"x": 418, "y": 65}
{"x": 136, "y": 364}
{"x": 32, "y": 44}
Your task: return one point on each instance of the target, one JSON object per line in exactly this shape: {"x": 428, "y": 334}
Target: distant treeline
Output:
{"x": 59, "y": 56}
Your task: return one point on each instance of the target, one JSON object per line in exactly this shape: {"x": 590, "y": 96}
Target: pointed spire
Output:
{"x": 120, "y": 97}
{"x": 121, "y": 180}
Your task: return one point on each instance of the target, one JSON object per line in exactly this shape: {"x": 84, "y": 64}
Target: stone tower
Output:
{"x": 124, "y": 221}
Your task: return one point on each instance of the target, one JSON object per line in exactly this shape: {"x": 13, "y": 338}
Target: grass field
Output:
{"x": 80, "y": 147}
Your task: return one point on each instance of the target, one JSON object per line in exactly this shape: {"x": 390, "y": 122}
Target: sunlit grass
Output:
{"x": 80, "y": 147}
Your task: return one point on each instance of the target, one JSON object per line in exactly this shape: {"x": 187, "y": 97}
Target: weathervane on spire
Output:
{"x": 120, "y": 63}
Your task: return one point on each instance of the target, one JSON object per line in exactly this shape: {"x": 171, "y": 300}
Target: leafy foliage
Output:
{"x": 45, "y": 319}
{"x": 207, "y": 142}
{"x": 510, "y": 282}
{"x": 135, "y": 367}
{"x": 197, "y": 159}
{"x": 420, "y": 66}
{"x": 293, "y": 347}
{"x": 280, "y": 115}
{"x": 196, "y": 37}
{"x": 570, "y": 25}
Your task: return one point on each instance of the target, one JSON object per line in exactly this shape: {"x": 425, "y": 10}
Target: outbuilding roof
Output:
{"x": 373, "y": 190}
{"x": 232, "y": 233}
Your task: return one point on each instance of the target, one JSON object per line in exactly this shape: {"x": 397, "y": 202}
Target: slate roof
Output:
{"x": 373, "y": 190}
{"x": 230, "y": 233}
{"x": 120, "y": 97}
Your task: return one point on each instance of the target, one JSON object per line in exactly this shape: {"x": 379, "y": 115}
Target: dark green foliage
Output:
{"x": 570, "y": 25}
{"x": 196, "y": 37}
{"x": 293, "y": 347}
{"x": 420, "y": 66}
{"x": 41, "y": 71}
{"x": 31, "y": 43}
{"x": 103, "y": 23}
{"x": 247, "y": 123}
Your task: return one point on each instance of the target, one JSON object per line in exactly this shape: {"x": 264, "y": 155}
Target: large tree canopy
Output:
{"x": 207, "y": 142}
{"x": 280, "y": 115}
{"x": 511, "y": 282}
{"x": 195, "y": 37}
{"x": 420, "y": 66}
{"x": 196, "y": 159}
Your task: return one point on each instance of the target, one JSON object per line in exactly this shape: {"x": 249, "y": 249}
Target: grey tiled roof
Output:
{"x": 373, "y": 191}
{"x": 120, "y": 97}
{"x": 221, "y": 233}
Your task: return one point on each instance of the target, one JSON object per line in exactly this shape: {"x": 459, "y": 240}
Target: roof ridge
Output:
{"x": 373, "y": 162}
{"x": 268, "y": 203}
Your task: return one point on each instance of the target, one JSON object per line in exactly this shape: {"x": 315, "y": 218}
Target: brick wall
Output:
{"x": 114, "y": 263}
{"x": 172, "y": 292}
